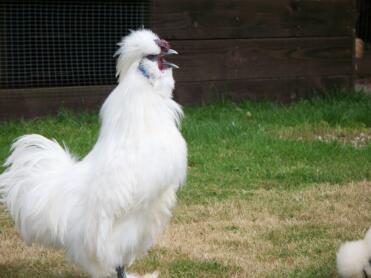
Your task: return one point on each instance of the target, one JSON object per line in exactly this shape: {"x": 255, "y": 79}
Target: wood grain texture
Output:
{"x": 282, "y": 90}
{"x": 30, "y": 103}
{"x": 213, "y": 19}
{"x": 262, "y": 58}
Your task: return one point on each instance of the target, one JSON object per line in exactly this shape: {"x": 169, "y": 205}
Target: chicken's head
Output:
{"x": 147, "y": 50}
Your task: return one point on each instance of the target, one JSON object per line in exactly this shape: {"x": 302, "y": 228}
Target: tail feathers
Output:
{"x": 35, "y": 150}
{"x": 34, "y": 168}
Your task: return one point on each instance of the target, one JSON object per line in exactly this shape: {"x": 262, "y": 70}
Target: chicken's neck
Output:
{"x": 135, "y": 111}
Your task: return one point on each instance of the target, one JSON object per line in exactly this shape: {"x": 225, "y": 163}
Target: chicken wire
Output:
{"x": 64, "y": 43}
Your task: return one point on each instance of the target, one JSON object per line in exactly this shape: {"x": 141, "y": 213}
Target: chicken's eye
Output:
{"x": 152, "y": 57}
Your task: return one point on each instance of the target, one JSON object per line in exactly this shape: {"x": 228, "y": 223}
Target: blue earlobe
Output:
{"x": 143, "y": 70}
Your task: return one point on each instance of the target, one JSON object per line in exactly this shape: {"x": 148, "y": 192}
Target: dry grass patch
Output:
{"x": 264, "y": 233}
{"x": 271, "y": 231}
{"x": 358, "y": 137}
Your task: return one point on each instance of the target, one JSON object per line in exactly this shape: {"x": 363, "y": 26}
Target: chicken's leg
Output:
{"x": 121, "y": 272}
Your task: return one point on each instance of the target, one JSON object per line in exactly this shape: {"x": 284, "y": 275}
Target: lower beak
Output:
{"x": 171, "y": 65}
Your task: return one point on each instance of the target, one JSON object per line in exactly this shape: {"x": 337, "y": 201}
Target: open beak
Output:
{"x": 170, "y": 52}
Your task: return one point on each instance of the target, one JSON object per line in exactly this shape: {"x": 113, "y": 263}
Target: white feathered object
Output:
{"x": 354, "y": 258}
{"x": 106, "y": 209}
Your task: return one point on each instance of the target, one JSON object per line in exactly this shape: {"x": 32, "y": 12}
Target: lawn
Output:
{"x": 272, "y": 190}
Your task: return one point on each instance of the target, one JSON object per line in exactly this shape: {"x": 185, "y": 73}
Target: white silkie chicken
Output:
{"x": 106, "y": 209}
{"x": 354, "y": 258}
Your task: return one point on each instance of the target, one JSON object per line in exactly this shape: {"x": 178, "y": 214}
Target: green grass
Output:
{"x": 235, "y": 150}
{"x": 240, "y": 143}
{"x": 238, "y": 147}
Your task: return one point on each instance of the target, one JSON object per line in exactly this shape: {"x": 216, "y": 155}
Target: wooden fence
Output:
{"x": 238, "y": 49}
{"x": 276, "y": 49}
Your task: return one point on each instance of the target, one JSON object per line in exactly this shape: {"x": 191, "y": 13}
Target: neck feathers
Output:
{"x": 135, "y": 110}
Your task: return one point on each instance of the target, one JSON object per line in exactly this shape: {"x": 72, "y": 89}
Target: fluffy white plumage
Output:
{"x": 106, "y": 209}
{"x": 354, "y": 258}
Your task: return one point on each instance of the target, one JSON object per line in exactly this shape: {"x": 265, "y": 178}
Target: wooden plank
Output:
{"x": 213, "y": 19}
{"x": 282, "y": 90}
{"x": 39, "y": 102}
{"x": 262, "y": 58}
{"x": 43, "y": 101}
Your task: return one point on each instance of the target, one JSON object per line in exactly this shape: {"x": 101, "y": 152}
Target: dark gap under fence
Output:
{"x": 363, "y": 39}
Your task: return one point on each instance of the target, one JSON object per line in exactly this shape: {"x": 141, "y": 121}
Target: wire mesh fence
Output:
{"x": 64, "y": 43}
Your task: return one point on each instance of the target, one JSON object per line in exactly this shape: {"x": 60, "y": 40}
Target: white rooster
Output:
{"x": 106, "y": 209}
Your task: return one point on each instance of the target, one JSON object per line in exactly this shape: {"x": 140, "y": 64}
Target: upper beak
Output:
{"x": 170, "y": 52}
